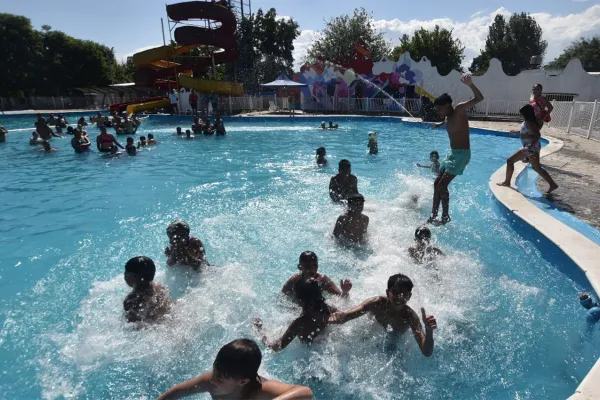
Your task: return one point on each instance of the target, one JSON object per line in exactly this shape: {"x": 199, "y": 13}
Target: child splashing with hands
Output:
{"x": 434, "y": 157}
{"x": 530, "y": 138}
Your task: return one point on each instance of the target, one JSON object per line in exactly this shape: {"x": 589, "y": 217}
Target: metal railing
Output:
{"x": 577, "y": 117}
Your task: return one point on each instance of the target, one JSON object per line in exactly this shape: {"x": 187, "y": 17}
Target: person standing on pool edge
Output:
{"x": 457, "y": 126}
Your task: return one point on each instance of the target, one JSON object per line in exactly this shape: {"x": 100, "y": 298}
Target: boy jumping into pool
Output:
{"x": 184, "y": 249}
{"x": 392, "y": 312}
{"x": 234, "y": 376}
{"x": 309, "y": 266}
{"x": 148, "y": 301}
{"x": 352, "y": 225}
{"x": 457, "y": 126}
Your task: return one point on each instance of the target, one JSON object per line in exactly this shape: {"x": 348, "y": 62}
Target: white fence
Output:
{"x": 577, "y": 117}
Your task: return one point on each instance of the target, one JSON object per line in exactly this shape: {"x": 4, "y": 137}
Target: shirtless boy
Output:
{"x": 422, "y": 250}
{"x": 457, "y": 125}
{"x": 148, "y": 301}
{"x": 234, "y": 375}
{"x": 308, "y": 266}
{"x": 392, "y": 311}
{"x": 352, "y": 225}
{"x": 184, "y": 249}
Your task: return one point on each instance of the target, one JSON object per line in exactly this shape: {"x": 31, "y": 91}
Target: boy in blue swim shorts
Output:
{"x": 457, "y": 126}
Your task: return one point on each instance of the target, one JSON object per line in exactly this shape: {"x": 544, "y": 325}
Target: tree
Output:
{"x": 46, "y": 28}
{"x": 513, "y": 43}
{"x": 586, "y": 50}
{"x": 337, "y": 39}
{"x": 266, "y": 49}
{"x": 445, "y": 52}
{"x": 20, "y": 46}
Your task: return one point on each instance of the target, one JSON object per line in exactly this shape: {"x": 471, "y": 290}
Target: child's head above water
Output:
{"x": 236, "y": 366}
{"x": 150, "y": 136}
{"x": 130, "y": 140}
{"x": 142, "y": 139}
{"x": 423, "y": 234}
{"x": 443, "y": 104}
{"x": 434, "y": 155}
{"x": 321, "y": 152}
{"x": 528, "y": 113}
{"x": 308, "y": 264}
{"x": 139, "y": 271}
{"x": 178, "y": 129}
{"x": 399, "y": 289}
{"x": 178, "y": 230}
{"x": 188, "y": 133}
{"x": 356, "y": 202}
{"x": 345, "y": 167}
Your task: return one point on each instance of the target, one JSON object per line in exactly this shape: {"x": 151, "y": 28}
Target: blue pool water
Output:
{"x": 506, "y": 301}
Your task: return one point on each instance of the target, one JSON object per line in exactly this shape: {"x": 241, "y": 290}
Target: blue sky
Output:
{"x": 130, "y": 25}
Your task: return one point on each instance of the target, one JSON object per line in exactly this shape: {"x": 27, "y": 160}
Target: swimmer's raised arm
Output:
{"x": 465, "y": 105}
{"x": 424, "y": 166}
{"x": 285, "y": 391}
{"x": 199, "y": 384}
{"x": 424, "y": 340}
{"x": 353, "y": 313}
{"x": 280, "y": 344}
{"x": 330, "y": 287}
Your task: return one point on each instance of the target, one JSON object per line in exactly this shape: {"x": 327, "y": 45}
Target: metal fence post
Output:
{"x": 348, "y": 103}
{"x": 230, "y": 107}
{"x": 54, "y": 102}
{"x": 570, "y": 116}
{"x": 62, "y": 102}
{"x": 2, "y": 103}
{"x": 487, "y": 106}
{"x": 593, "y": 118}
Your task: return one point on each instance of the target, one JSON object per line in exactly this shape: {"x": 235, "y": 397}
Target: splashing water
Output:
{"x": 257, "y": 200}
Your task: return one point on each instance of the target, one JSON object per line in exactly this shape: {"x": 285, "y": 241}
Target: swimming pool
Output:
{"x": 506, "y": 302}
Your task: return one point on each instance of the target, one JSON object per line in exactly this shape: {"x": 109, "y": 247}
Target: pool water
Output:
{"x": 510, "y": 325}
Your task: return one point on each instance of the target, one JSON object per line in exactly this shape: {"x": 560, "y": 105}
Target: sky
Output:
{"x": 133, "y": 25}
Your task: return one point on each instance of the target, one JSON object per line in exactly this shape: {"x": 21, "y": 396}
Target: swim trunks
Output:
{"x": 456, "y": 161}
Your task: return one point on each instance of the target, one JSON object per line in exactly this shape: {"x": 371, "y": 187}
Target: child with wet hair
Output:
{"x": 593, "y": 310}
{"x": 148, "y": 301}
{"x": 234, "y": 375}
{"x": 130, "y": 147}
{"x": 321, "y": 160}
{"x": 422, "y": 250}
{"x": 151, "y": 139}
{"x": 352, "y": 225}
{"x": 184, "y": 249}
{"x": 434, "y": 157}
{"x": 308, "y": 265}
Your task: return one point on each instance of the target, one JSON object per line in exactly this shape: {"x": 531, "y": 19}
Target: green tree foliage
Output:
{"x": 51, "y": 62}
{"x": 513, "y": 43}
{"x": 266, "y": 46}
{"x": 586, "y": 50}
{"x": 445, "y": 52}
{"x": 337, "y": 39}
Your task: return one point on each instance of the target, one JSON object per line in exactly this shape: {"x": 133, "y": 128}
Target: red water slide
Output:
{"x": 222, "y": 37}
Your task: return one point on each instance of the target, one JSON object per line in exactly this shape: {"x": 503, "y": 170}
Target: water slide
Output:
{"x": 149, "y": 105}
{"x": 155, "y": 64}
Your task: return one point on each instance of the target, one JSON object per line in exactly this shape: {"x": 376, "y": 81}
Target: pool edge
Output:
{"x": 584, "y": 253}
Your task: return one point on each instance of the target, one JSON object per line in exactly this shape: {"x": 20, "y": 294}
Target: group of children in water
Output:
{"x": 205, "y": 127}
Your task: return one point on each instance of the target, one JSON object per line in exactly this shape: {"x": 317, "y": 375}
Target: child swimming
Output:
{"x": 234, "y": 376}
{"x": 308, "y": 264}
{"x": 372, "y": 143}
{"x": 593, "y": 310}
{"x": 422, "y": 250}
{"x": 530, "y": 139}
{"x": 352, "y": 225}
{"x": 457, "y": 126}
{"x": 434, "y": 157}
{"x": 142, "y": 142}
{"x": 148, "y": 301}
{"x": 151, "y": 139}
{"x": 321, "y": 153}
{"x": 178, "y": 131}
{"x": 188, "y": 134}
{"x": 344, "y": 183}
{"x": 184, "y": 249}
{"x": 392, "y": 312}
{"x": 312, "y": 322}
{"x": 130, "y": 147}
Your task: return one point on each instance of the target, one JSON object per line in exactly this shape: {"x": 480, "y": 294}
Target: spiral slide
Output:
{"x": 154, "y": 64}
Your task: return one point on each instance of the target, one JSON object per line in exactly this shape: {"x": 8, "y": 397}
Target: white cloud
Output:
{"x": 123, "y": 56}
{"x": 559, "y": 30}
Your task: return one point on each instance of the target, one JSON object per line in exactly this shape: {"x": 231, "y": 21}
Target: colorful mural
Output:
{"x": 361, "y": 77}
